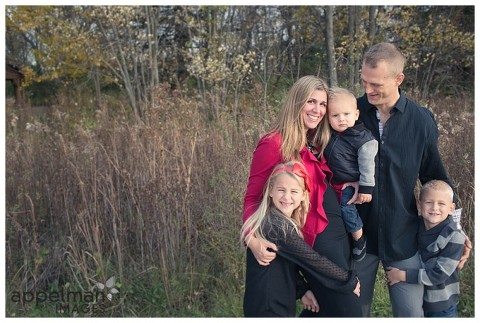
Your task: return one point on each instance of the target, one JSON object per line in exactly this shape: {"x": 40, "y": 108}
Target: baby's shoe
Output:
{"x": 359, "y": 248}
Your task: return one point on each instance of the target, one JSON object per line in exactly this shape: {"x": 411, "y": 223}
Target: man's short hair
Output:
{"x": 385, "y": 52}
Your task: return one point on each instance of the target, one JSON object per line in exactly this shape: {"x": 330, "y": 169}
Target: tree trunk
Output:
{"x": 96, "y": 82}
{"x": 151, "y": 15}
{"x": 372, "y": 26}
{"x": 332, "y": 71}
{"x": 351, "y": 49}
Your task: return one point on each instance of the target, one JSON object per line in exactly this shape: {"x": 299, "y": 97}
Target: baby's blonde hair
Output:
{"x": 336, "y": 91}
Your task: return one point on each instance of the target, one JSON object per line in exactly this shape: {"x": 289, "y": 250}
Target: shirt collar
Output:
{"x": 401, "y": 103}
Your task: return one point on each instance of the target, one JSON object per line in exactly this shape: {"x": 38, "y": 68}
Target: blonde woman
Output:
{"x": 301, "y": 132}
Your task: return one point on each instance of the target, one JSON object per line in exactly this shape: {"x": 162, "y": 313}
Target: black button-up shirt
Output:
{"x": 407, "y": 151}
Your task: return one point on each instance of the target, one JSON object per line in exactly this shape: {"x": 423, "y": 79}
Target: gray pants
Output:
{"x": 406, "y": 299}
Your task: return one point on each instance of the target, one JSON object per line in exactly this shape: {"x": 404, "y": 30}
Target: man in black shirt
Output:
{"x": 407, "y": 134}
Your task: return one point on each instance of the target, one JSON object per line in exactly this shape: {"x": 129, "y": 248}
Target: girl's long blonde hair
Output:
{"x": 290, "y": 122}
{"x": 252, "y": 227}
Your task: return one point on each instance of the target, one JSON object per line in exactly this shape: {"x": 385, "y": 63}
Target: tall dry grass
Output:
{"x": 156, "y": 203}
{"x": 455, "y": 118}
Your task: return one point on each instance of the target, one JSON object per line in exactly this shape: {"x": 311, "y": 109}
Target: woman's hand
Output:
{"x": 259, "y": 250}
{"x": 355, "y": 195}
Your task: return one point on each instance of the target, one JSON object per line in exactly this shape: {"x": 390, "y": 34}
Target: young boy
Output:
{"x": 350, "y": 154}
{"x": 441, "y": 244}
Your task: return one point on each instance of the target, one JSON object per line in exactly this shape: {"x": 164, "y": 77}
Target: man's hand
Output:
{"x": 466, "y": 253}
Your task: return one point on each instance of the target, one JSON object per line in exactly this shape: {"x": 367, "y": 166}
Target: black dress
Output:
{"x": 272, "y": 290}
{"x": 334, "y": 244}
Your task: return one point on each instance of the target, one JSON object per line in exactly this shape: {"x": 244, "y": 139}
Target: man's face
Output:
{"x": 380, "y": 85}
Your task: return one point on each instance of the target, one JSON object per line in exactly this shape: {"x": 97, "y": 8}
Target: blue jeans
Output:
{"x": 350, "y": 216}
{"x": 448, "y": 312}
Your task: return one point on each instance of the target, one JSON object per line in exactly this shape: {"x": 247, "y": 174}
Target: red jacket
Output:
{"x": 265, "y": 157}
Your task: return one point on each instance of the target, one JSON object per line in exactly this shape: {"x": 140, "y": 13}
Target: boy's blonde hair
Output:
{"x": 435, "y": 185}
{"x": 253, "y": 225}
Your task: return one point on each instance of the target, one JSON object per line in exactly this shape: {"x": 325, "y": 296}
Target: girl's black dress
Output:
{"x": 272, "y": 290}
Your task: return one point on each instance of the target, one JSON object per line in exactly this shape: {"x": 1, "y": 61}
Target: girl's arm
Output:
{"x": 292, "y": 247}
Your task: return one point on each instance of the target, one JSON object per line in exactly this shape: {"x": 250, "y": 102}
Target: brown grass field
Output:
{"x": 92, "y": 194}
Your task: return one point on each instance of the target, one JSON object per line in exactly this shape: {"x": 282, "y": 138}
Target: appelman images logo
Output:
{"x": 68, "y": 302}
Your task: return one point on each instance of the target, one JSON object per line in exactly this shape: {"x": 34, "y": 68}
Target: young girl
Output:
{"x": 272, "y": 290}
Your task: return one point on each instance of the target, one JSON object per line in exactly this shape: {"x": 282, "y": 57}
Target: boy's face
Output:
{"x": 342, "y": 112}
{"x": 435, "y": 206}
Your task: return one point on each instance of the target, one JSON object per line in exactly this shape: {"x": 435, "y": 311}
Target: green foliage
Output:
{"x": 432, "y": 38}
{"x": 381, "y": 306}
{"x": 222, "y": 51}
{"x": 313, "y": 60}
{"x": 466, "y": 305}
{"x": 9, "y": 91}
{"x": 62, "y": 48}
{"x": 42, "y": 93}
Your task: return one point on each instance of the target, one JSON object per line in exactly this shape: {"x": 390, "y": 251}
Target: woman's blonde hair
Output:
{"x": 290, "y": 123}
{"x": 252, "y": 227}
